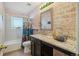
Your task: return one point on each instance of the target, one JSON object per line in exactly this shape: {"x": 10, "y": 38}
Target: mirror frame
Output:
{"x": 50, "y": 11}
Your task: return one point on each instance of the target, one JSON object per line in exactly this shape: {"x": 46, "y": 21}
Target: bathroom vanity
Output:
{"x": 42, "y": 45}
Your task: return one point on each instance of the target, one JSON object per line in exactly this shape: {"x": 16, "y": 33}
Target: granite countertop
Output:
{"x": 69, "y": 45}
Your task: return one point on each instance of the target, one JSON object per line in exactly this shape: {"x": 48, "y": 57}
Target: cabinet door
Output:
{"x": 37, "y": 48}
{"x": 58, "y": 53}
{"x": 46, "y": 50}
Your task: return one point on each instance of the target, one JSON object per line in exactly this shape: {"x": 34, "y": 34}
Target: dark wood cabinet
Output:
{"x": 37, "y": 47}
{"x": 40, "y": 48}
{"x": 46, "y": 50}
{"x": 58, "y": 53}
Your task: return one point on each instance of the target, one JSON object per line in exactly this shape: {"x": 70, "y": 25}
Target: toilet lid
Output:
{"x": 27, "y": 43}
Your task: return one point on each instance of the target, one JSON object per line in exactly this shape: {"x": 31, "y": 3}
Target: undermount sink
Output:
{"x": 60, "y": 37}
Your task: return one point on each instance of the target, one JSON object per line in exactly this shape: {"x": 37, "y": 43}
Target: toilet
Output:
{"x": 27, "y": 46}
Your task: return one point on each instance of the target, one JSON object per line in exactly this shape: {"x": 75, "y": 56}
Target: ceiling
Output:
{"x": 21, "y": 7}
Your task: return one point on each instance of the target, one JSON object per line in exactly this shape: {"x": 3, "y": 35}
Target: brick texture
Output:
{"x": 64, "y": 18}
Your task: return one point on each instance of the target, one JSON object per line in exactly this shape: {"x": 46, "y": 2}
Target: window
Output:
{"x": 16, "y": 22}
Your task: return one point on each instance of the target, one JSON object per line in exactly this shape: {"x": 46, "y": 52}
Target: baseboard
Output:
{"x": 12, "y": 51}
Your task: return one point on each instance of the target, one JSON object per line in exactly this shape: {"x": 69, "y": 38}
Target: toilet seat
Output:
{"x": 26, "y": 43}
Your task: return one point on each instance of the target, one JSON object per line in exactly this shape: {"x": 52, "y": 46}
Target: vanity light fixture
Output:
{"x": 28, "y": 3}
{"x": 45, "y": 5}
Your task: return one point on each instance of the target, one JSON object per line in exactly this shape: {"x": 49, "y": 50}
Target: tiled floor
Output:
{"x": 18, "y": 53}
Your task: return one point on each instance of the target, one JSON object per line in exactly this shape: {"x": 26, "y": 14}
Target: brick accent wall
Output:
{"x": 64, "y": 17}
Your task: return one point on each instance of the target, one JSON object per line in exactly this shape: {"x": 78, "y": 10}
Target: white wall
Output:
{"x": 2, "y": 30}
{"x": 1, "y": 8}
{"x": 34, "y": 12}
{"x": 10, "y": 34}
{"x": 77, "y": 29}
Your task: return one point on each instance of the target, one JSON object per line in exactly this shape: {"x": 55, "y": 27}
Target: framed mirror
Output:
{"x": 46, "y": 20}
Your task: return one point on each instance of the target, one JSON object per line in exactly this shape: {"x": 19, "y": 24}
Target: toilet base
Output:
{"x": 27, "y": 50}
